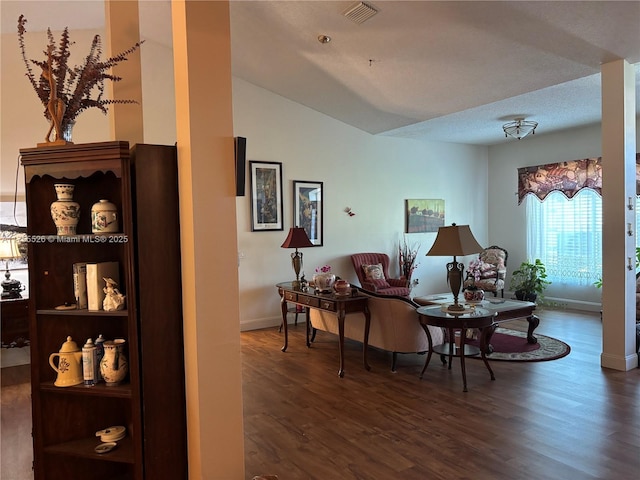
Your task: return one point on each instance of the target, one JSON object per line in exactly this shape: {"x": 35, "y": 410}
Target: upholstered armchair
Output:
{"x": 372, "y": 270}
{"x": 494, "y": 270}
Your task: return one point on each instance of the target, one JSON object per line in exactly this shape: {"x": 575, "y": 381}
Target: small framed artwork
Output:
{"x": 424, "y": 215}
{"x": 266, "y": 196}
{"x": 307, "y": 209}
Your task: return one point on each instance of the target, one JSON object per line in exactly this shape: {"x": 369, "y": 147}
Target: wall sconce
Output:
{"x": 630, "y": 204}
{"x": 629, "y": 230}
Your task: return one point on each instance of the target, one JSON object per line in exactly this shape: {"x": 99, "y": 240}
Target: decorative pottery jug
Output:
{"x": 114, "y": 365}
{"x": 324, "y": 282}
{"x": 342, "y": 287}
{"x": 69, "y": 366}
{"x": 64, "y": 211}
{"x": 475, "y": 295}
{"x": 104, "y": 217}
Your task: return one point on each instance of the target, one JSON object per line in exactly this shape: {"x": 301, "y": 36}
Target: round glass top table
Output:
{"x": 453, "y": 321}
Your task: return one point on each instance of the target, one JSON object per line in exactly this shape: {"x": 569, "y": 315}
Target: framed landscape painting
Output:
{"x": 266, "y": 196}
{"x": 424, "y": 215}
{"x": 307, "y": 209}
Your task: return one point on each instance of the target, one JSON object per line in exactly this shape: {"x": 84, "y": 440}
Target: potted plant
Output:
{"x": 529, "y": 280}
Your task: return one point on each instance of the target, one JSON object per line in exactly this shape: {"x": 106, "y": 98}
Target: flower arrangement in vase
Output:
{"x": 67, "y": 91}
{"x": 323, "y": 279}
{"x": 407, "y": 255}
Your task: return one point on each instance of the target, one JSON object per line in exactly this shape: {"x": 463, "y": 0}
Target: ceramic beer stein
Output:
{"x": 114, "y": 365}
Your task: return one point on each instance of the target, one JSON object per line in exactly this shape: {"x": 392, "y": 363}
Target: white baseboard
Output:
{"x": 555, "y": 302}
{"x": 260, "y": 323}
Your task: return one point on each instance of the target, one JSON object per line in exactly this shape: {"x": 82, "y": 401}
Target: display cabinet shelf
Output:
{"x": 85, "y": 448}
{"x": 147, "y": 249}
{"x": 101, "y": 390}
{"x": 82, "y": 312}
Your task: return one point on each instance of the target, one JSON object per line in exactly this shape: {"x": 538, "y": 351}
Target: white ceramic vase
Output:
{"x": 324, "y": 282}
{"x": 114, "y": 366}
{"x": 64, "y": 211}
{"x": 104, "y": 217}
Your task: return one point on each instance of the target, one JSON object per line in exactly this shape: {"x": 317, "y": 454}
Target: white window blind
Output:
{"x": 567, "y": 236}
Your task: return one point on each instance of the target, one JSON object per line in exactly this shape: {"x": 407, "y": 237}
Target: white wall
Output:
{"x": 371, "y": 174}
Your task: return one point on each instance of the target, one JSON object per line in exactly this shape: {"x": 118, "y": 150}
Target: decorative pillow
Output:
{"x": 373, "y": 272}
{"x": 375, "y": 275}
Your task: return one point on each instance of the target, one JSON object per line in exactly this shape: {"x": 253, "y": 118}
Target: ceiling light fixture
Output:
{"x": 360, "y": 12}
{"x": 324, "y": 38}
{"x": 519, "y": 128}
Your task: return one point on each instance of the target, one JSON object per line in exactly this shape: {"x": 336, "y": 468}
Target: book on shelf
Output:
{"x": 80, "y": 284}
{"x": 96, "y": 273}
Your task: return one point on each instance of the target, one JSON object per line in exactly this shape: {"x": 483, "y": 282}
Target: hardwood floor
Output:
{"x": 562, "y": 419}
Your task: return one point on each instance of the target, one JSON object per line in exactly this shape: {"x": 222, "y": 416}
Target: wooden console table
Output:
{"x": 328, "y": 302}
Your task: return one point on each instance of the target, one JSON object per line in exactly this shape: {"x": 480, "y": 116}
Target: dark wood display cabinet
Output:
{"x": 150, "y": 402}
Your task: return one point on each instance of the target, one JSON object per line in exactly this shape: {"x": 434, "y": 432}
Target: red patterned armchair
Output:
{"x": 372, "y": 270}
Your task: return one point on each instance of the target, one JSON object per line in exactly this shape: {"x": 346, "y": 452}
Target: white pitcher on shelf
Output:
{"x": 114, "y": 366}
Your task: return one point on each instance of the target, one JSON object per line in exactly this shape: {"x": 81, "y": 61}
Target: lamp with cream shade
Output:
{"x": 456, "y": 240}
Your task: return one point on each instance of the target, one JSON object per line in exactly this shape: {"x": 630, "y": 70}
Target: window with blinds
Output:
{"x": 566, "y": 235}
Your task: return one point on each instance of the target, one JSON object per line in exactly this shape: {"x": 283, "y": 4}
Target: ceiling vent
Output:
{"x": 360, "y": 12}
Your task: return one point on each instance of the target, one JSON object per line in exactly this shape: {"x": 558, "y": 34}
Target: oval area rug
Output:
{"x": 511, "y": 345}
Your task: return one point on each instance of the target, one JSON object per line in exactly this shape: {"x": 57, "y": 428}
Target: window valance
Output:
{"x": 566, "y": 177}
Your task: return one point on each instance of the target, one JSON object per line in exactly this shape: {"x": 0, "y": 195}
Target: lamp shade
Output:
{"x": 297, "y": 238}
{"x": 456, "y": 240}
{"x": 9, "y": 249}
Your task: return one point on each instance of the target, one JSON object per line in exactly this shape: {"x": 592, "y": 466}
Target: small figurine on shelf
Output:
{"x": 113, "y": 300}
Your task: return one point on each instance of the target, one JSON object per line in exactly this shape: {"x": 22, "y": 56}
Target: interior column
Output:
{"x": 122, "y": 24}
{"x": 204, "y": 120}
{"x": 619, "y": 221}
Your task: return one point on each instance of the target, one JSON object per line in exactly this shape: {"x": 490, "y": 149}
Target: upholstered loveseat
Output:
{"x": 394, "y": 325}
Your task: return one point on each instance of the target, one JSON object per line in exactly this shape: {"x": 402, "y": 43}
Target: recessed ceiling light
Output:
{"x": 324, "y": 38}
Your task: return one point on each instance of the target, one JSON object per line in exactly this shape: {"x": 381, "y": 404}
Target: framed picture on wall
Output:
{"x": 307, "y": 209}
{"x": 266, "y": 196}
{"x": 424, "y": 215}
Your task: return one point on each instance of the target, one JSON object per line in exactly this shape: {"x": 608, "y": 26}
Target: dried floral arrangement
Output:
{"x": 67, "y": 91}
{"x": 407, "y": 255}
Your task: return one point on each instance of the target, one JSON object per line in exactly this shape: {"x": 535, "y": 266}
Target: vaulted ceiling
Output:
{"x": 448, "y": 71}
